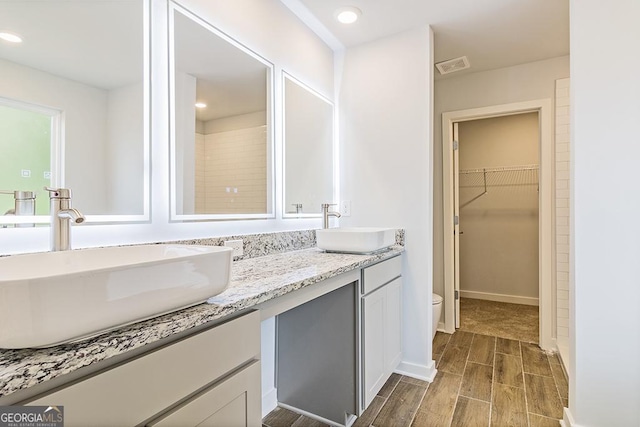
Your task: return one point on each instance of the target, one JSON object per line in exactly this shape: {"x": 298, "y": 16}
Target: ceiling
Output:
{"x": 491, "y": 33}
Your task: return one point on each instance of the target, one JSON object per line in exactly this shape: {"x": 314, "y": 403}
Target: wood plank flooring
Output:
{"x": 482, "y": 380}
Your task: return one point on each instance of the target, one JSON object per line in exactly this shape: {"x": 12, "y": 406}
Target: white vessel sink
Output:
{"x": 56, "y": 297}
{"x": 357, "y": 240}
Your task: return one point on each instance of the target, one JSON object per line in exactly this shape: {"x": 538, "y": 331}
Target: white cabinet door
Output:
{"x": 235, "y": 402}
{"x": 382, "y": 337}
{"x": 373, "y": 312}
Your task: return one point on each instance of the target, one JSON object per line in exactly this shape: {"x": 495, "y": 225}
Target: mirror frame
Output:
{"x": 58, "y": 153}
{"x": 334, "y": 147}
{"x": 173, "y": 215}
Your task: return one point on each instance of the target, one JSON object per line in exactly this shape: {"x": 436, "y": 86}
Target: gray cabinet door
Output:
{"x": 317, "y": 351}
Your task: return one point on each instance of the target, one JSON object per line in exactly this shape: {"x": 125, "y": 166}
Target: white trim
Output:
{"x": 269, "y": 401}
{"x": 547, "y": 195}
{"x": 487, "y": 296}
{"x": 567, "y": 420}
{"x": 286, "y": 302}
{"x": 563, "y": 353}
{"x": 421, "y": 372}
{"x": 314, "y": 24}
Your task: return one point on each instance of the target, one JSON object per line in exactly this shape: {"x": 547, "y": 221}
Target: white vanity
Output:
{"x": 338, "y": 318}
{"x": 209, "y": 376}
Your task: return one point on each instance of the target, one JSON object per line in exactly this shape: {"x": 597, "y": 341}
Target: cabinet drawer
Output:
{"x": 381, "y": 273}
{"x": 235, "y": 402}
{"x": 143, "y": 387}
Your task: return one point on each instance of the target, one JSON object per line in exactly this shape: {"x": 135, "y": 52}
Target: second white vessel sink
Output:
{"x": 357, "y": 240}
{"x": 56, "y": 297}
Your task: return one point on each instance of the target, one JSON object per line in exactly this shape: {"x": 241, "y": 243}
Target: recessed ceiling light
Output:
{"x": 348, "y": 14}
{"x": 10, "y": 37}
{"x": 200, "y": 105}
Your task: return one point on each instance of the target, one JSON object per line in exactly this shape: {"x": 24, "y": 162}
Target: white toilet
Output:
{"x": 437, "y": 310}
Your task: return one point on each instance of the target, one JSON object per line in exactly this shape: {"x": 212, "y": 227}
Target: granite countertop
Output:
{"x": 253, "y": 281}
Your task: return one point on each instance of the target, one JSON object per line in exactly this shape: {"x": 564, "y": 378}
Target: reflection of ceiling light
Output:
{"x": 348, "y": 14}
{"x": 200, "y": 105}
{"x": 13, "y": 38}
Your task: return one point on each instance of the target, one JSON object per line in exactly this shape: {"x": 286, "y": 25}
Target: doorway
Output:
{"x": 497, "y": 185}
{"x": 481, "y": 175}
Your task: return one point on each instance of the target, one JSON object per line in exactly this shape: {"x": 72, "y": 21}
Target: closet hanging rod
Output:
{"x": 502, "y": 169}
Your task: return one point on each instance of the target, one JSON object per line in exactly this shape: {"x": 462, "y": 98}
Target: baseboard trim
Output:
{"x": 567, "y": 420}
{"x": 513, "y": 299}
{"x": 563, "y": 352}
{"x": 269, "y": 401}
{"x": 420, "y": 372}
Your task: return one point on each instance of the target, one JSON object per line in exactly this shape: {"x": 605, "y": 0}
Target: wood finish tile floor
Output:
{"x": 500, "y": 319}
{"x": 482, "y": 381}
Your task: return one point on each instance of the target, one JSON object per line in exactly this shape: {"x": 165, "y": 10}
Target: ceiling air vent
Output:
{"x": 453, "y": 65}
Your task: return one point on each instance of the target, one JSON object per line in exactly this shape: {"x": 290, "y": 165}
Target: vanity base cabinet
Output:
{"x": 184, "y": 380}
{"x": 317, "y": 368}
{"x": 381, "y": 326}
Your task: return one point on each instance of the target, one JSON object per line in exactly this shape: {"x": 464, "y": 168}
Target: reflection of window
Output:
{"x": 25, "y": 144}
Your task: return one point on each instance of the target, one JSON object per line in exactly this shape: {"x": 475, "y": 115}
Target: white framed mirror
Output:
{"x": 74, "y": 107}
{"x": 221, "y": 124}
{"x": 308, "y": 173}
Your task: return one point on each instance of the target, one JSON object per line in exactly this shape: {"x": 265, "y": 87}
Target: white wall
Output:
{"x": 386, "y": 166}
{"x": 124, "y": 151}
{"x": 526, "y": 82}
{"x": 605, "y": 245}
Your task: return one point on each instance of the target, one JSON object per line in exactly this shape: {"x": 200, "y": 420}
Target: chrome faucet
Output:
{"x": 61, "y": 215}
{"x": 326, "y": 213}
{"x": 24, "y": 204}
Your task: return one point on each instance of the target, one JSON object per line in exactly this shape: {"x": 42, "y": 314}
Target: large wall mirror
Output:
{"x": 74, "y": 106}
{"x": 221, "y": 109}
{"x": 308, "y": 149}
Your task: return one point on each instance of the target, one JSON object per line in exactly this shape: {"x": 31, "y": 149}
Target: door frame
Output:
{"x": 546, "y": 218}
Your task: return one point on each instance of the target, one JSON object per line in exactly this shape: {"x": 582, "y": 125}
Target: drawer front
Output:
{"x": 145, "y": 386}
{"x": 235, "y": 402}
{"x": 381, "y": 273}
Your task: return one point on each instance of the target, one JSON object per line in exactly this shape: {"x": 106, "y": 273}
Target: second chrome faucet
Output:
{"x": 326, "y": 213}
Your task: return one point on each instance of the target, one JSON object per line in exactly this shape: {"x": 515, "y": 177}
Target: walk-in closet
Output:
{"x": 498, "y": 199}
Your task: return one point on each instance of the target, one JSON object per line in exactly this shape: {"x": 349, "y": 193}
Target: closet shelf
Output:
{"x": 499, "y": 177}
{"x": 507, "y": 176}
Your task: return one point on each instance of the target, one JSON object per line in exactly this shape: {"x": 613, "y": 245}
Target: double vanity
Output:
{"x": 338, "y": 322}
{"x": 221, "y": 119}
